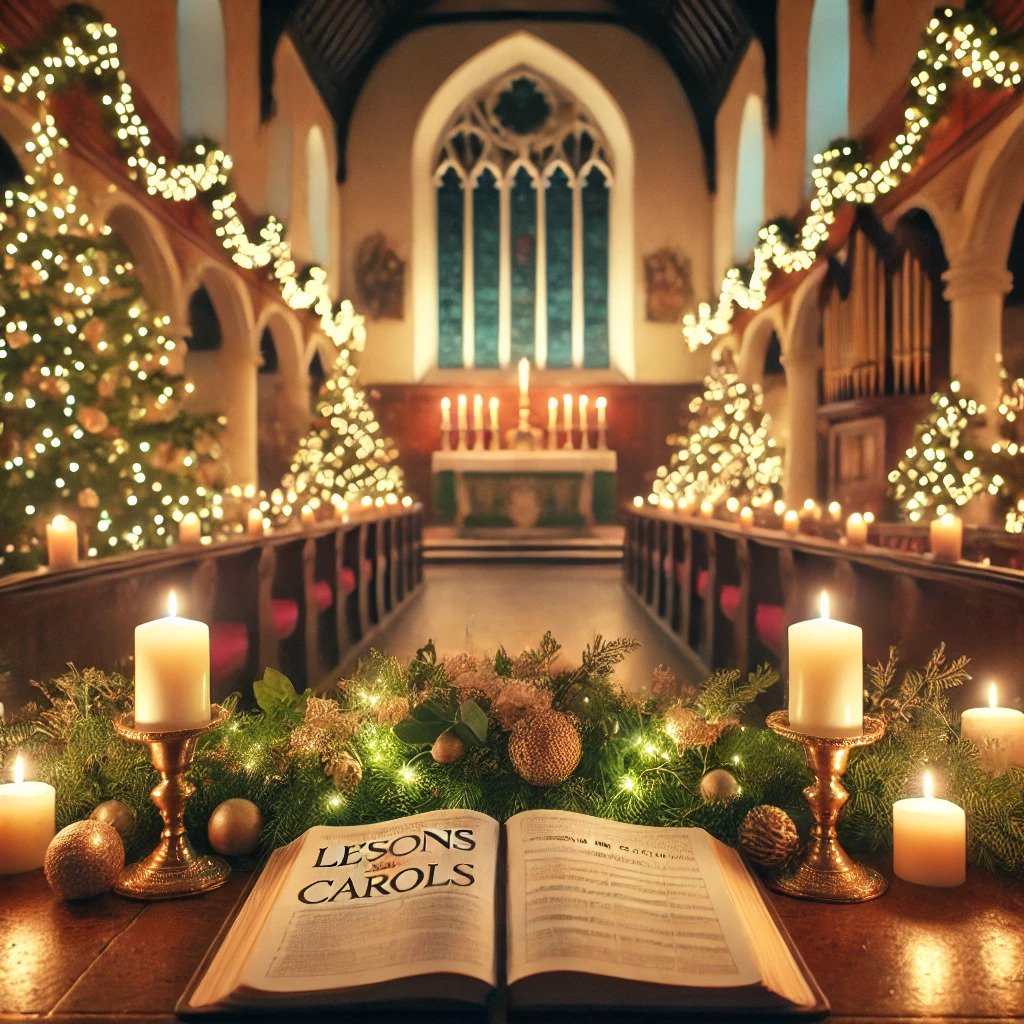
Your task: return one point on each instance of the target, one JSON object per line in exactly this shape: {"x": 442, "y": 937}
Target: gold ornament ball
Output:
{"x": 115, "y": 813}
{"x": 768, "y": 836}
{"x": 83, "y": 860}
{"x": 545, "y": 747}
{"x": 234, "y": 828}
{"x": 718, "y": 786}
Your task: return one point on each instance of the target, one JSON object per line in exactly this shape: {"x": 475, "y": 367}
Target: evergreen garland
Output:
{"x": 339, "y": 759}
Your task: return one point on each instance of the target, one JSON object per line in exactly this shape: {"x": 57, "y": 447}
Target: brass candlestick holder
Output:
{"x": 174, "y": 868}
{"x": 826, "y": 871}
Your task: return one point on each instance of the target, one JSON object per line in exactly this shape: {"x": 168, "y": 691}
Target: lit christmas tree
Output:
{"x": 728, "y": 449}
{"x": 344, "y": 457}
{"x": 941, "y": 471}
{"x": 90, "y": 422}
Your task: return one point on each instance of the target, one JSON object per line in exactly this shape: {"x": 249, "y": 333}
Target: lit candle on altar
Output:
{"x": 254, "y": 523}
{"x": 307, "y": 516}
{"x": 779, "y": 508}
{"x": 856, "y": 530}
{"x": 929, "y": 840}
{"x": 567, "y": 405}
{"x": 27, "y": 822}
{"x": 997, "y": 732}
{"x": 946, "y": 535}
{"x": 826, "y": 676}
{"x": 811, "y": 510}
{"x": 835, "y": 511}
{"x": 478, "y": 412}
{"x": 61, "y": 542}
{"x": 602, "y": 411}
{"x": 189, "y": 529}
{"x": 791, "y": 521}
{"x": 746, "y": 517}
{"x": 524, "y": 383}
{"x": 584, "y": 402}
{"x": 340, "y": 508}
{"x": 446, "y": 413}
{"x": 707, "y": 510}
{"x": 493, "y": 406}
{"x": 552, "y": 421}
{"x": 172, "y": 672}
{"x": 463, "y": 413}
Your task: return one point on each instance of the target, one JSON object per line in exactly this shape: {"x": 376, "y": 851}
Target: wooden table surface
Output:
{"x": 926, "y": 955}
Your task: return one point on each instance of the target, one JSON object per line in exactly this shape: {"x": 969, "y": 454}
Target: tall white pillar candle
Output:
{"x": 463, "y": 412}
{"x": 27, "y": 822}
{"x": 189, "y": 529}
{"x": 856, "y": 530}
{"x": 791, "y": 521}
{"x": 552, "y": 414}
{"x": 524, "y": 383}
{"x": 478, "y": 422}
{"x": 254, "y": 523}
{"x": 61, "y": 542}
{"x": 826, "y": 676}
{"x": 602, "y": 411}
{"x": 446, "y": 413}
{"x": 493, "y": 408}
{"x": 567, "y": 407}
{"x": 746, "y": 517}
{"x": 929, "y": 840}
{"x": 947, "y": 537}
{"x": 997, "y": 732}
{"x": 584, "y": 402}
{"x": 172, "y": 672}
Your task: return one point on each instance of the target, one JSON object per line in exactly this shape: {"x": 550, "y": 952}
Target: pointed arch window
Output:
{"x": 522, "y": 182}
{"x": 828, "y": 77}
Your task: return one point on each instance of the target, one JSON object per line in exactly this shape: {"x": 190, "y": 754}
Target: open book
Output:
{"x": 597, "y": 913}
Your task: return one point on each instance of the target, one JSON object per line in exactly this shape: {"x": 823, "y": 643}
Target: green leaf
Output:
{"x": 502, "y": 662}
{"x": 436, "y": 709}
{"x": 473, "y": 717}
{"x": 416, "y": 733}
{"x": 273, "y": 689}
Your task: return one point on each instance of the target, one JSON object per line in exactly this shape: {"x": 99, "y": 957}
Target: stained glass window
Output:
{"x": 523, "y": 181}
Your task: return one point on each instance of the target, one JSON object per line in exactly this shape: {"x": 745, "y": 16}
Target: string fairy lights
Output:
{"x": 84, "y": 49}
{"x": 956, "y": 43}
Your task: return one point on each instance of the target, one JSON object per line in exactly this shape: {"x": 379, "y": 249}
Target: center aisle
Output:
{"x": 479, "y": 607}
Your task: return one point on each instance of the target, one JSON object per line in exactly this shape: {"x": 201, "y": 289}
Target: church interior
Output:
{"x": 610, "y": 408}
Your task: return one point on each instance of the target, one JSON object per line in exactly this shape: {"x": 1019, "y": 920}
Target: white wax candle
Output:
{"x": 997, "y": 732}
{"x": 947, "y": 537}
{"x": 493, "y": 406}
{"x": 826, "y": 676}
{"x": 835, "y": 511}
{"x": 552, "y": 414}
{"x": 307, "y": 516}
{"x": 189, "y": 529}
{"x": 779, "y": 508}
{"x": 746, "y": 517}
{"x": 791, "y": 521}
{"x": 929, "y": 840}
{"x": 567, "y": 406}
{"x": 27, "y": 822}
{"x": 811, "y": 510}
{"x": 254, "y": 523}
{"x": 446, "y": 413}
{"x": 463, "y": 413}
{"x": 62, "y": 542}
{"x": 172, "y": 672}
{"x": 856, "y": 530}
{"x": 524, "y": 382}
{"x": 602, "y": 410}
{"x": 584, "y": 401}
{"x": 707, "y": 510}
{"x": 478, "y": 412}
{"x": 340, "y": 508}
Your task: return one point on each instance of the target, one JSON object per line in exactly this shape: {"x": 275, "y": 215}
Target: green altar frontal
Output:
{"x": 524, "y": 492}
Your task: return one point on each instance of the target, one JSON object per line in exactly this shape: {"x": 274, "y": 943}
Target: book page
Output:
{"x": 365, "y": 904}
{"x": 626, "y": 901}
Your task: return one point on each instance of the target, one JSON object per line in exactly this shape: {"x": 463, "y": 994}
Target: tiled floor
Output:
{"x": 477, "y": 607}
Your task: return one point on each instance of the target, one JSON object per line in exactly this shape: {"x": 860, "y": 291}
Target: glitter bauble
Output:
{"x": 545, "y": 748}
{"x": 768, "y": 836}
{"x": 83, "y": 860}
{"x": 234, "y": 828}
{"x": 115, "y": 813}
{"x": 93, "y": 420}
{"x": 718, "y": 786}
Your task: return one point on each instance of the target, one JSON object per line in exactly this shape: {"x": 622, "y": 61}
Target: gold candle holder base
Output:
{"x": 174, "y": 868}
{"x": 826, "y": 872}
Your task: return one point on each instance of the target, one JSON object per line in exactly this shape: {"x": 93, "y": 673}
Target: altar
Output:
{"x": 524, "y": 493}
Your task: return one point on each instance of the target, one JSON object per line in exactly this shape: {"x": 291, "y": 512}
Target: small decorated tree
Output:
{"x": 91, "y": 424}
{"x": 727, "y": 449}
{"x": 942, "y": 470}
{"x": 344, "y": 457}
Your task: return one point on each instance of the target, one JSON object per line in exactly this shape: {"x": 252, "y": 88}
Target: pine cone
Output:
{"x": 768, "y": 836}
{"x": 690, "y": 729}
{"x": 545, "y": 748}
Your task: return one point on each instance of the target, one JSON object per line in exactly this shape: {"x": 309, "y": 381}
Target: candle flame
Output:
{"x": 993, "y": 696}
{"x": 172, "y": 603}
{"x": 552, "y": 402}
{"x": 446, "y": 403}
{"x": 493, "y": 403}
{"x": 19, "y": 769}
{"x": 602, "y": 402}
{"x": 583, "y": 401}
{"x": 824, "y": 604}
{"x": 928, "y": 786}
{"x": 60, "y": 520}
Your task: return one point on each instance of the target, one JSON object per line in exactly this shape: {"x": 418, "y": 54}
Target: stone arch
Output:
{"x": 754, "y": 343}
{"x": 225, "y": 379}
{"x": 523, "y": 49}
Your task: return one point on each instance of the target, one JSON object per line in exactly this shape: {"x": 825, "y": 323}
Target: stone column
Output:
{"x": 801, "y": 473}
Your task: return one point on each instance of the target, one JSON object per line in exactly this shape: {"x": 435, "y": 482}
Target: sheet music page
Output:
{"x": 371, "y": 903}
{"x": 627, "y": 901}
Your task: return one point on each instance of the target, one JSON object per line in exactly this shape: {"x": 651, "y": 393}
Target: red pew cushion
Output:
{"x": 367, "y": 568}
{"x": 229, "y": 649}
{"x": 680, "y": 573}
{"x": 323, "y": 596}
{"x": 347, "y": 580}
{"x": 285, "y": 613}
{"x": 770, "y": 627}
{"x": 730, "y": 601}
{"x": 702, "y": 584}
